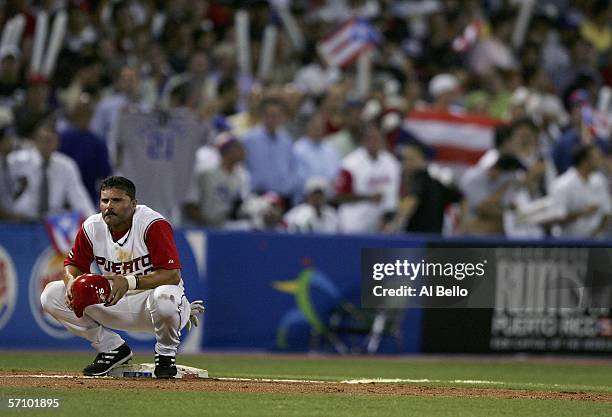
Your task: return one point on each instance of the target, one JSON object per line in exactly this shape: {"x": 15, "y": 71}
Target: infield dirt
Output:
{"x": 50, "y": 380}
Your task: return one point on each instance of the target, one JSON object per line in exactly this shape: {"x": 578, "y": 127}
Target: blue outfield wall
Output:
{"x": 273, "y": 291}
{"x": 262, "y": 291}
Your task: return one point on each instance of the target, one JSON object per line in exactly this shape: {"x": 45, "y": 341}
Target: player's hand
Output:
{"x": 197, "y": 307}
{"x": 68, "y": 296}
{"x": 119, "y": 286}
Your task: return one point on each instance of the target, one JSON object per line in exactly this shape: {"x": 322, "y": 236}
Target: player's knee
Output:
{"x": 165, "y": 302}
{"x": 52, "y": 296}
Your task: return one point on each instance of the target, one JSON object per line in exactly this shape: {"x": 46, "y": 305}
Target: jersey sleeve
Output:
{"x": 159, "y": 239}
{"x": 344, "y": 182}
{"x": 81, "y": 254}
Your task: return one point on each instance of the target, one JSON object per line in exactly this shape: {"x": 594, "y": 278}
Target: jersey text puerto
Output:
{"x": 137, "y": 266}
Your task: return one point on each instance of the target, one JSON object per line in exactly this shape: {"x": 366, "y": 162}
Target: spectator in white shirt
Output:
{"x": 487, "y": 192}
{"x": 314, "y": 215}
{"x": 46, "y": 181}
{"x": 368, "y": 185}
{"x": 582, "y": 191}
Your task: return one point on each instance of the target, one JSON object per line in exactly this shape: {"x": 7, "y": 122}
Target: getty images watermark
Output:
{"x": 516, "y": 278}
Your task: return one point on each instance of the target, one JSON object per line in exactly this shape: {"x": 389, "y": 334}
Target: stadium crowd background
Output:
{"x": 302, "y": 146}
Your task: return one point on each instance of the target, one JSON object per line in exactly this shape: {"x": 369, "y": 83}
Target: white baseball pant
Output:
{"x": 164, "y": 311}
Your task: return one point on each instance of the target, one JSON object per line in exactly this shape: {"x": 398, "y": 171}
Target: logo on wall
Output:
{"x": 542, "y": 301}
{"x": 310, "y": 286}
{"x": 8, "y": 287}
{"x": 49, "y": 267}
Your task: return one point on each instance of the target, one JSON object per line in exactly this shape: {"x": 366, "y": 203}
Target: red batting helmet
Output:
{"x": 89, "y": 289}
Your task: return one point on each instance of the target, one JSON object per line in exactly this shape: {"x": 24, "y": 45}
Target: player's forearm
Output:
{"x": 158, "y": 278}
{"x": 70, "y": 273}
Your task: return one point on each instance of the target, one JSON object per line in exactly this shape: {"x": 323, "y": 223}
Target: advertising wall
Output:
{"x": 287, "y": 292}
{"x": 546, "y": 298}
{"x": 280, "y": 292}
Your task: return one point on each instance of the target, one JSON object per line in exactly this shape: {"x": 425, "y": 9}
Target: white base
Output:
{"x": 146, "y": 370}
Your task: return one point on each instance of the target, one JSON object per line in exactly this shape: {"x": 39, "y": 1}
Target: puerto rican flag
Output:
{"x": 468, "y": 38}
{"x": 456, "y": 139}
{"x": 342, "y": 47}
{"x": 62, "y": 230}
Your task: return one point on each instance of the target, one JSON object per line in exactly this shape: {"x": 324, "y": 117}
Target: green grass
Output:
{"x": 209, "y": 404}
{"x": 512, "y": 373}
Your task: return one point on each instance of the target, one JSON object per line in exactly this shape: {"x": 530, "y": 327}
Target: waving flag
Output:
{"x": 62, "y": 230}
{"x": 468, "y": 38}
{"x": 342, "y": 47}
{"x": 457, "y": 139}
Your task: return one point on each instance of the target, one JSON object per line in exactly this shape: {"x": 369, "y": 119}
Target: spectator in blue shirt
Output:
{"x": 578, "y": 133}
{"x": 270, "y": 157}
{"x": 316, "y": 157}
{"x": 87, "y": 149}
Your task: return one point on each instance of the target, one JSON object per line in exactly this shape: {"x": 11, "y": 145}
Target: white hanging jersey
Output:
{"x": 158, "y": 155}
{"x": 129, "y": 254}
{"x": 363, "y": 175}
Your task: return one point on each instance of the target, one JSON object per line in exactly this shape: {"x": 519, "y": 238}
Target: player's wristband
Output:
{"x": 132, "y": 282}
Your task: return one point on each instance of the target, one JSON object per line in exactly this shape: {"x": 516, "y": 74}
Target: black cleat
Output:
{"x": 105, "y": 361}
{"x": 165, "y": 366}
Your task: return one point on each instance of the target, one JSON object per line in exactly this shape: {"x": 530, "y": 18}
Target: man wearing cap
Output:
{"x": 444, "y": 91}
{"x": 220, "y": 190}
{"x": 314, "y": 215}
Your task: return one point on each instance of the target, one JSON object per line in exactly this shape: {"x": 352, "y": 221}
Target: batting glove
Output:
{"x": 197, "y": 307}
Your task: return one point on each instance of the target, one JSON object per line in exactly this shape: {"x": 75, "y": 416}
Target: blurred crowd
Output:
{"x": 170, "y": 95}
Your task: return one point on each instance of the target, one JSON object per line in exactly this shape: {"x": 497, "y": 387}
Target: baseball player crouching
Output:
{"x": 134, "y": 248}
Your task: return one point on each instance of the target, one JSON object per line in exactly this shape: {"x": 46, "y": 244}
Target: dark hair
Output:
{"x": 182, "y": 93}
{"x": 508, "y": 163}
{"x": 370, "y": 124}
{"x": 580, "y": 153}
{"x": 226, "y": 84}
{"x": 48, "y": 123}
{"x": 272, "y": 101}
{"x": 121, "y": 183}
{"x": 87, "y": 60}
{"x": 420, "y": 148}
{"x": 523, "y": 121}
{"x": 501, "y": 135}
